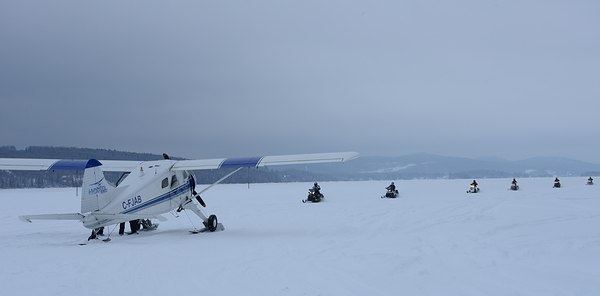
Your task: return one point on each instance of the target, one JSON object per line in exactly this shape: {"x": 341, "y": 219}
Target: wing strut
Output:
{"x": 197, "y": 194}
{"x": 220, "y": 180}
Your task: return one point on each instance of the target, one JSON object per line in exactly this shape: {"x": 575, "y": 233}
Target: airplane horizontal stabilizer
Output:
{"x": 68, "y": 216}
{"x": 128, "y": 217}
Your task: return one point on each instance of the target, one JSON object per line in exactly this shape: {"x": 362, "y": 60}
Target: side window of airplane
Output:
{"x": 123, "y": 176}
{"x": 185, "y": 175}
{"x": 174, "y": 181}
{"x": 165, "y": 182}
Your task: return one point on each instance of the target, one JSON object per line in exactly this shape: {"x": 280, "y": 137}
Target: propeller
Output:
{"x": 199, "y": 199}
{"x": 194, "y": 193}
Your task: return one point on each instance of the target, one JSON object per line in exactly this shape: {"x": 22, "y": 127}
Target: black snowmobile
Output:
{"x": 147, "y": 225}
{"x": 314, "y": 196}
{"x": 556, "y": 184}
{"x": 590, "y": 181}
{"x": 390, "y": 194}
{"x": 514, "y": 187}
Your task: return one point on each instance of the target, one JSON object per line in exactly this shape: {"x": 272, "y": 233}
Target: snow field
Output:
{"x": 435, "y": 239}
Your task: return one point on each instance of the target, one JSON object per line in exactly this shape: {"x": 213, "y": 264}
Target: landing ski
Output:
{"x": 220, "y": 227}
{"x": 196, "y": 231}
{"x": 106, "y": 240}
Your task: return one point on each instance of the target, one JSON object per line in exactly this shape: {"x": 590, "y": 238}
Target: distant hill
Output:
{"x": 418, "y": 166}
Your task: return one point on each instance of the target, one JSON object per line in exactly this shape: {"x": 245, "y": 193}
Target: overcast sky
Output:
{"x": 224, "y": 78}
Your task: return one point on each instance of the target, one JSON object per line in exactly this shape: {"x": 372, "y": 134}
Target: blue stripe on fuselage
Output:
{"x": 161, "y": 198}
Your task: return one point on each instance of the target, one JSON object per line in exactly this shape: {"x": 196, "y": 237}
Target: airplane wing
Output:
{"x": 24, "y": 164}
{"x": 119, "y": 165}
{"x": 28, "y": 164}
{"x": 263, "y": 161}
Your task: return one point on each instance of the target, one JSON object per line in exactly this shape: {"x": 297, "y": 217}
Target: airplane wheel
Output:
{"x": 212, "y": 223}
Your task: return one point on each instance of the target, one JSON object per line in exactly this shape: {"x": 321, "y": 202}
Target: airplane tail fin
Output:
{"x": 96, "y": 192}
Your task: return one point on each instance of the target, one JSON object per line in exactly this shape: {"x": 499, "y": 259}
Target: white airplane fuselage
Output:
{"x": 151, "y": 189}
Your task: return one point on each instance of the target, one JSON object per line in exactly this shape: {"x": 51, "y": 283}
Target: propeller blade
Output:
{"x": 199, "y": 199}
{"x": 194, "y": 193}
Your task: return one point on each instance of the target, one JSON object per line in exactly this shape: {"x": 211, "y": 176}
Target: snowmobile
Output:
{"x": 514, "y": 187}
{"x": 147, "y": 225}
{"x": 590, "y": 182}
{"x": 473, "y": 189}
{"x": 390, "y": 194}
{"x": 556, "y": 184}
{"x": 314, "y": 197}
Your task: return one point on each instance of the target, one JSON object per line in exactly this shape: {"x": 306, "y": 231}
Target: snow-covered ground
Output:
{"x": 434, "y": 240}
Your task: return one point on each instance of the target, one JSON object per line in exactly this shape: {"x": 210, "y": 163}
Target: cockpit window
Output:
{"x": 185, "y": 175}
{"x": 123, "y": 176}
{"x": 174, "y": 181}
{"x": 165, "y": 182}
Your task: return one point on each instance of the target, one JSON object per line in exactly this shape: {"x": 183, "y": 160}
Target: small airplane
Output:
{"x": 148, "y": 189}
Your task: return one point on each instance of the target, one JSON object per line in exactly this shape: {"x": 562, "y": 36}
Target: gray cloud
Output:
{"x": 232, "y": 78}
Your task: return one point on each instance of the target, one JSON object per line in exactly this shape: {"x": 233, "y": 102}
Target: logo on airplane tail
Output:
{"x": 97, "y": 188}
